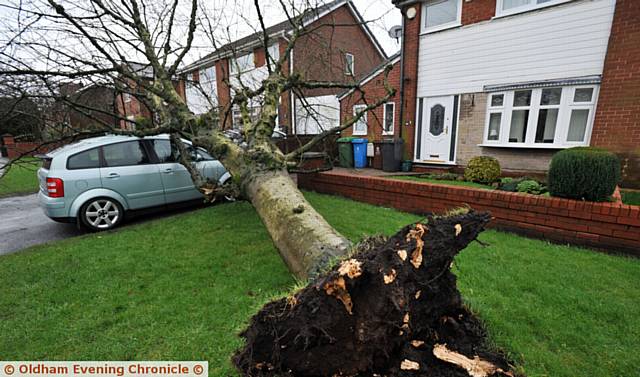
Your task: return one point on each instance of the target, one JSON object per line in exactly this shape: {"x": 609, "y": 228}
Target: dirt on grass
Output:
{"x": 391, "y": 309}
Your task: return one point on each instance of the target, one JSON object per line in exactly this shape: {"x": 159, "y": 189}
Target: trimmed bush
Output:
{"x": 584, "y": 173}
{"x": 482, "y": 169}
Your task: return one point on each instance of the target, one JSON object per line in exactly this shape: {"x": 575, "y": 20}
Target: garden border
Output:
{"x": 613, "y": 227}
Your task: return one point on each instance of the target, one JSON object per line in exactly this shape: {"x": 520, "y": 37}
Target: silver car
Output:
{"x": 96, "y": 181}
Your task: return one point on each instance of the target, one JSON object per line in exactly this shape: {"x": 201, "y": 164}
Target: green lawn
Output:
{"x": 20, "y": 178}
{"x": 418, "y": 178}
{"x": 631, "y": 197}
{"x": 183, "y": 287}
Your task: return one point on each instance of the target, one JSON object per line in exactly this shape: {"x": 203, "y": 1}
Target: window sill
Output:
{"x": 529, "y": 146}
{"x": 440, "y": 28}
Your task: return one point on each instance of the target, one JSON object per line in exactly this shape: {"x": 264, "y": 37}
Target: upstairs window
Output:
{"x": 555, "y": 117}
{"x": 350, "y": 64}
{"x": 506, "y": 7}
{"x": 440, "y": 14}
{"x": 242, "y": 63}
{"x": 274, "y": 53}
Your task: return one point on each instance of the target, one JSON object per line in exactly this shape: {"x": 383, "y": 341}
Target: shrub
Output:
{"x": 482, "y": 169}
{"x": 584, "y": 173}
{"x": 531, "y": 187}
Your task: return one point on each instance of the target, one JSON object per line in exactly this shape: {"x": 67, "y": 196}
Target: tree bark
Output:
{"x": 304, "y": 239}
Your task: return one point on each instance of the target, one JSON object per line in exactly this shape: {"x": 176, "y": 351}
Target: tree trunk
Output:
{"x": 304, "y": 239}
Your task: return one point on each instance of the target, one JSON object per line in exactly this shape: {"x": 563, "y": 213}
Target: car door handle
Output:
{"x": 168, "y": 171}
{"x": 113, "y": 175}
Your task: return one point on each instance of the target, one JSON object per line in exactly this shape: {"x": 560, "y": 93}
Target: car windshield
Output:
{"x": 203, "y": 155}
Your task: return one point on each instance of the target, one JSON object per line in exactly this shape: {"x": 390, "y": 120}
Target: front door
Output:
{"x": 436, "y": 130}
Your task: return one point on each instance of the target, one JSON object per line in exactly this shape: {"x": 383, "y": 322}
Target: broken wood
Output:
{"x": 476, "y": 367}
{"x": 377, "y": 314}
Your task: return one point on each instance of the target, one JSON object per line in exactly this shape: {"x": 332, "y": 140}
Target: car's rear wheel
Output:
{"x": 101, "y": 214}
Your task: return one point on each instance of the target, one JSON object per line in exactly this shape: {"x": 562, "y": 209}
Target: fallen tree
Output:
{"x": 392, "y": 308}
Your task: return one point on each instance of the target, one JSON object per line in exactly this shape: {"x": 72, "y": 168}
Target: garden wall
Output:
{"x": 11, "y": 148}
{"x": 609, "y": 226}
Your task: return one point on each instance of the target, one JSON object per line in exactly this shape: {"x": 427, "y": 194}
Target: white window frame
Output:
{"x": 423, "y": 20}
{"x": 495, "y": 110}
{"x": 393, "y": 119}
{"x": 233, "y": 63}
{"x": 356, "y": 110}
{"x": 126, "y": 97}
{"x": 567, "y": 105}
{"x": 274, "y": 52}
{"x": 349, "y": 66}
{"x": 525, "y": 8}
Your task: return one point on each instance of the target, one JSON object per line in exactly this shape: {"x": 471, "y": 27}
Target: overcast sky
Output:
{"x": 240, "y": 18}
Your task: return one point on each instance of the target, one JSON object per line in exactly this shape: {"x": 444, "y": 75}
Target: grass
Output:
{"x": 418, "y": 178}
{"x": 20, "y": 178}
{"x": 631, "y": 197}
{"x": 182, "y": 288}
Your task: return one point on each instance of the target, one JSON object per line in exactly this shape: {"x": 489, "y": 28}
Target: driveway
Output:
{"x": 23, "y": 224}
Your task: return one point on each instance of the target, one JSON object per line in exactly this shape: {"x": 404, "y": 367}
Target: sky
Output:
{"x": 229, "y": 20}
{"x": 238, "y": 16}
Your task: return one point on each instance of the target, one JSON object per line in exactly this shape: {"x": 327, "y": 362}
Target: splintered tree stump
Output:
{"x": 391, "y": 309}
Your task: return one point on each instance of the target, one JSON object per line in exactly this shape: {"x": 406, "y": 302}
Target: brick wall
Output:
{"x": 612, "y": 227}
{"x": 617, "y": 122}
{"x": 374, "y": 91}
{"x": 477, "y": 10}
{"x": 411, "y": 45}
{"x": 473, "y": 112}
{"x": 12, "y": 148}
{"x": 320, "y": 55}
{"x": 224, "y": 92}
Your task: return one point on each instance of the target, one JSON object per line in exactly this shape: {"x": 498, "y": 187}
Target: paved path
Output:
{"x": 23, "y": 224}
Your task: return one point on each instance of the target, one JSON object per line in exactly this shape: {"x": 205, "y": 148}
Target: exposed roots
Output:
{"x": 392, "y": 309}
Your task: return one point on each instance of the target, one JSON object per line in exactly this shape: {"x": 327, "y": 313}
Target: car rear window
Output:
{"x": 125, "y": 154}
{"x": 84, "y": 160}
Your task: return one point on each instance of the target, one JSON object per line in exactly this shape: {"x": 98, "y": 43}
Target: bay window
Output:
{"x": 555, "y": 117}
{"x": 440, "y": 14}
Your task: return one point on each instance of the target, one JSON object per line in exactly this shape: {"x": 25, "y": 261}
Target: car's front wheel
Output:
{"x": 101, "y": 214}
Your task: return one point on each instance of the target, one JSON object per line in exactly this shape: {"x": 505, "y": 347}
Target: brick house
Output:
{"x": 382, "y": 122}
{"x": 130, "y": 104}
{"x": 519, "y": 80}
{"x": 341, "y": 48}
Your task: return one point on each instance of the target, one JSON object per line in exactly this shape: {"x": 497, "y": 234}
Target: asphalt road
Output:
{"x": 23, "y": 224}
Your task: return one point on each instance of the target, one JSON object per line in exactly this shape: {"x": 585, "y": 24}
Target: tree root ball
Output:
{"x": 391, "y": 309}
